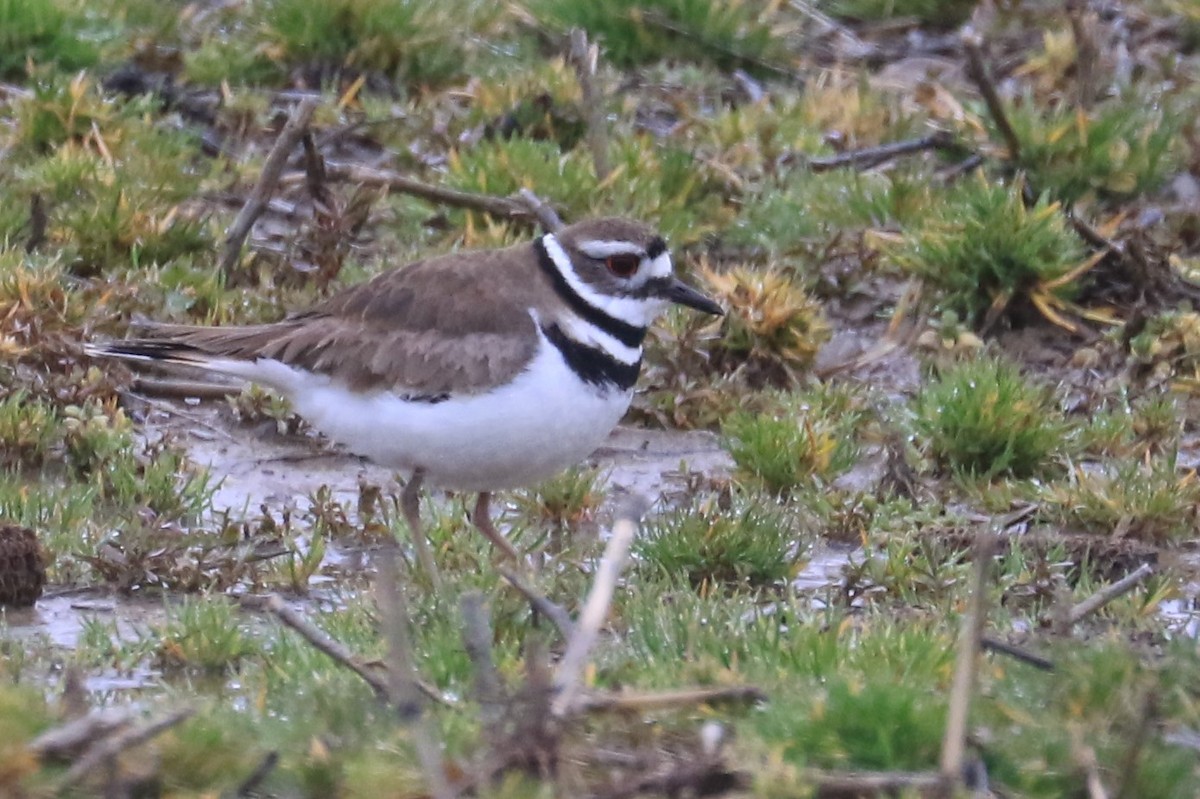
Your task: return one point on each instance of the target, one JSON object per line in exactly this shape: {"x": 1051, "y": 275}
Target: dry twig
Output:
{"x": 273, "y": 603}
{"x": 403, "y": 686}
{"x": 635, "y": 701}
{"x": 583, "y": 56}
{"x": 540, "y": 603}
{"x": 966, "y": 664}
{"x": 67, "y": 739}
{"x": 108, "y": 748}
{"x": 990, "y": 644}
{"x": 546, "y": 216}
{"x": 847, "y": 784}
{"x": 249, "y": 786}
{"x": 272, "y": 168}
{"x": 502, "y": 207}
{"x": 977, "y": 71}
{"x": 595, "y": 609}
{"x": 1108, "y": 593}
{"x": 868, "y": 157}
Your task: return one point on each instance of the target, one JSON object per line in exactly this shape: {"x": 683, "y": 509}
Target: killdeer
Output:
{"x": 474, "y": 371}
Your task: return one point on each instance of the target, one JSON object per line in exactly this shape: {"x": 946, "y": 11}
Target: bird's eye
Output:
{"x": 623, "y": 265}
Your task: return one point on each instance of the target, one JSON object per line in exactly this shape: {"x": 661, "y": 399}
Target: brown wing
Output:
{"x": 450, "y": 325}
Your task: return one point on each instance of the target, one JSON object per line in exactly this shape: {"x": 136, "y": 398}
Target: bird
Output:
{"x": 474, "y": 371}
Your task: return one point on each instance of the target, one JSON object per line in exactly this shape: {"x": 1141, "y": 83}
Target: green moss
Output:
{"x": 42, "y": 32}
{"x": 982, "y": 418}
{"x": 983, "y": 247}
{"x": 754, "y": 542}
{"x": 729, "y": 33}
{"x": 1121, "y": 148}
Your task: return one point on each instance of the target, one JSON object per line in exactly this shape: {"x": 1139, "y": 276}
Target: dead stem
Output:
{"x": 977, "y": 71}
{"x": 403, "y": 687}
{"x": 1108, "y": 593}
{"x": 868, "y": 157}
{"x": 966, "y": 664}
{"x": 595, "y": 609}
{"x": 540, "y": 603}
{"x": 105, "y": 749}
{"x": 477, "y": 641}
{"x": 1085, "y": 758}
{"x": 584, "y": 56}
{"x": 1141, "y": 733}
{"x": 296, "y": 125}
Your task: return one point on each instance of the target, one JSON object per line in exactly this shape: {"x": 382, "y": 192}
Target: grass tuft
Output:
{"x": 984, "y": 247}
{"x": 771, "y": 329}
{"x": 1120, "y": 149}
{"x": 204, "y": 634}
{"x": 753, "y": 541}
{"x": 805, "y": 439}
{"x": 728, "y": 33}
{"x": 983, "y": 419}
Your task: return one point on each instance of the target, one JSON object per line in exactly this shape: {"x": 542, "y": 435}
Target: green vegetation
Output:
{"x": 937, "y": 13}
{"x": 749, "y": 541}
{"x": 42, "y": 32}
{"x": 808, "y": 438}
{"x": 916, "y": 348}
{"x": 1119, "y": 149}
{"x": 729, "y": 33}
{"x": 983, "y": 247}
{"x": 984, "y": 419}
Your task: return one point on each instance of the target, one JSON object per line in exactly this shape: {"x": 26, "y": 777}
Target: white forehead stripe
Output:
{"x": 601, "y": 249}
{"x": 661, "y": 266}
{"x": 637, "y": 311}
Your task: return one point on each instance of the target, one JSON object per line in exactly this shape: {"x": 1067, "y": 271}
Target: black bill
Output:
{"x": 678, "y": 291}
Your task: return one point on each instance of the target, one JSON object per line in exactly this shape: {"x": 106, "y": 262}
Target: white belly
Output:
{"x": 521, "y": 433}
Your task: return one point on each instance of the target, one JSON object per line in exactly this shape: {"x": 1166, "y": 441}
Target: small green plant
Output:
{"x": 417, "y": 43}
{"x": 1167, "y": 349}
{"x": 771, "y": 329}
{"x": 660, "y": 183}
{"x": 28, "y": 430}
{"x": 983, "y": 247}
{"x": 729, "y": 33}
{"x": 94, "y": 434}
{"x": 564, "y": 501}
{"x": 803, "y": 439}
{"x": 983, "y": 419}
{"x": 798, "y": 216}
{"x": 1119, "y": 149}
{"x": 935, "y": 13}
{"x": 1154, "y": 502}
{"x": 205, "y": 634}
{"x": 753, "y": 541}
{"x": 41, "y": 32}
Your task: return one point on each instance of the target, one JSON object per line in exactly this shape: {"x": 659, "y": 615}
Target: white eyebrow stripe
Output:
{"x": 661, "y": 266}
{"x": 601, "y": 249}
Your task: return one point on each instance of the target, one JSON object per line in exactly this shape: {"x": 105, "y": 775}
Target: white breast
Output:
{"x": 521, "y": 433}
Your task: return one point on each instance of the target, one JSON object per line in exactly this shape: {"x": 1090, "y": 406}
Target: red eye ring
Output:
{"x": 623, "y": 265}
